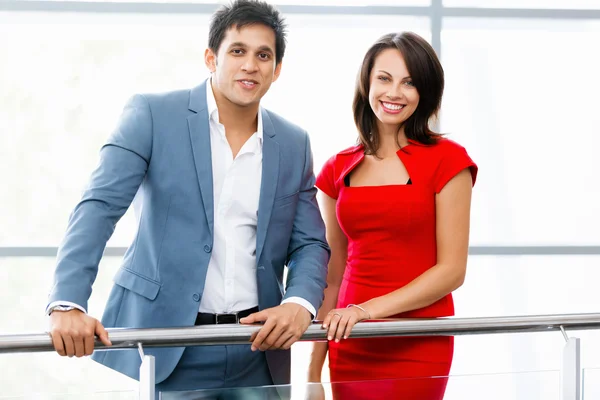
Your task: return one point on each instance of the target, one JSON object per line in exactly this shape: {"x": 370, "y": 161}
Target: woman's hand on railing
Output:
{"x": 340, "y": 321}
{"x": 73, "y": 333}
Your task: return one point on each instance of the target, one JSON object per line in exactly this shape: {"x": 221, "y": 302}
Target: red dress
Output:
{"x": 391, "y": 241}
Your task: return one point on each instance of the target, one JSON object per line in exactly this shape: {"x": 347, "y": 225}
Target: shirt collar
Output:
{"x": 213, "y": 111}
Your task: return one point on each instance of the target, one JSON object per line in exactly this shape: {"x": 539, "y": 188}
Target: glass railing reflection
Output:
{"x": 591, "y": 384}
{"x": 104, "y": 395}
{"x": 537, "y": 385}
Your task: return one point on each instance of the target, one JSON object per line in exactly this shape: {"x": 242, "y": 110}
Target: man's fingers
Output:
{"x": 284, "y": 338}
{"x": 69, "y": 346}
{"x": 79, "y": 346}
{"x": 253, "y": 337}
{"x": 102, "y": 334}
{"x": 288, "y": 344}
{"x": 88, "y": 344}
{"x": 260, "y": 316}
{"x": 272, "y": 338}
{"x": 58, "y": 344}
{"x": 73, "y": 333}
{"x": 262, "y": 335}
{"x": 281, "y": 327}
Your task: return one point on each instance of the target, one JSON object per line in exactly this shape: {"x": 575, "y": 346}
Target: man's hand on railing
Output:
{"x": 73, "y": 333}
{"x": 283, "y": 326}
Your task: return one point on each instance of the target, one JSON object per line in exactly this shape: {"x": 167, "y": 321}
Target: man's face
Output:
{"x": 244, "y": 66}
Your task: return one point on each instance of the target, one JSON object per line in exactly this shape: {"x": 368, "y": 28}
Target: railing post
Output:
{"x": 147, "y": 376}
{"x": 570, "y": 372}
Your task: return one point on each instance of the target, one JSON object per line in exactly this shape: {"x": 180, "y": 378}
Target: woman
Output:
{"x": 397, "y": 211}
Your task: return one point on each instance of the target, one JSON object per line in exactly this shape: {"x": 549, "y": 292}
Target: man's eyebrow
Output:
{"x": 266, "y": 48}
{"x": 245, "y": 46}
{"x": 237, "y": 44}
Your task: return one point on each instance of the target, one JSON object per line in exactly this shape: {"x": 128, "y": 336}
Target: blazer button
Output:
{"x": 207, "y": 248}
{"x": 196, "y": 297}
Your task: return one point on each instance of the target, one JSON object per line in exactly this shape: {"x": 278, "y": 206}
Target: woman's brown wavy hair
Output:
{"x": 428, "y": 78}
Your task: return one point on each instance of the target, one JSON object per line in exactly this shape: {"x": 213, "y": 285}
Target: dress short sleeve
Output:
{"x": 327, "y": 178}
{"x": 454, "y": 158}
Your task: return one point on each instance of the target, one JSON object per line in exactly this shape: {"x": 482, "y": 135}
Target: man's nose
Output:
{"x": 250, "y": 65}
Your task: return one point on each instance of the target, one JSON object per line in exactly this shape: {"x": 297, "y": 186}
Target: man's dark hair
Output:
{"x": 241, "y": 13}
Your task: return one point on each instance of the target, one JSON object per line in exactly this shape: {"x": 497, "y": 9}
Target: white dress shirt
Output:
{"x": 231, "y": 277}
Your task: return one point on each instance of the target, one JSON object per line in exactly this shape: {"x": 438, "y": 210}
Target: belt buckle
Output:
{"x": 230, "y": 318}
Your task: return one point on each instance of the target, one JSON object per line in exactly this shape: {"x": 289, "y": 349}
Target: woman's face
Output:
{"x": 392, "y": 95}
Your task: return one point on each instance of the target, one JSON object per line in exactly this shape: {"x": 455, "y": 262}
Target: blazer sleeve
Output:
{"x": 308, "y": 252}
{"x": 124, "y": 160}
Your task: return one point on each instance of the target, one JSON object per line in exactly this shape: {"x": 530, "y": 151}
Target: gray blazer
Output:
{"x": 159, "y": 158}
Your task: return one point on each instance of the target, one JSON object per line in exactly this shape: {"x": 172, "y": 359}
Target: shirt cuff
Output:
{"x": 304, "y": 303}
{"x": 64, "y": 303}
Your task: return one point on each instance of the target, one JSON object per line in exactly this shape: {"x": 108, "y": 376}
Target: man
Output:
{"x": 224, "y": 197}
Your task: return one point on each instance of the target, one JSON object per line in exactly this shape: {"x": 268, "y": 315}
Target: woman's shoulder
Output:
{"x": 340, "y": 161}
{"x": 341, "y": 158}
{"x": 328, "y": 180}
{"x": 445, "y": 145}
{"x": 450, "y": 158}
{"x": 442, "y": 148}
{"x": 351, "y": 150}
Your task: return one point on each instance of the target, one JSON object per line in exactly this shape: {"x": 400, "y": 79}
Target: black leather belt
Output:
{"x": 234, "y": 318}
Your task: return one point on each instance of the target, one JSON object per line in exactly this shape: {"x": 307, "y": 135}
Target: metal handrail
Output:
{"x": 240, "y": 334}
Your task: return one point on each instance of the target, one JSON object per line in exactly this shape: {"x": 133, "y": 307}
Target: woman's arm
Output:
{"x": 337, "y": 263}
{"x": 453, "y": 208}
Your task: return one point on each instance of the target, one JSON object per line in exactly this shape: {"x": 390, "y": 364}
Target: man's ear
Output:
{"x": 277, "y": 71}
{"x": 210, "y": 59}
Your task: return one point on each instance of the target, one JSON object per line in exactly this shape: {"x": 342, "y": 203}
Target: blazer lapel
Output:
{"x": 199, "y": 128}
{"x": 268, "y": 187}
